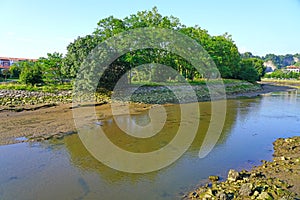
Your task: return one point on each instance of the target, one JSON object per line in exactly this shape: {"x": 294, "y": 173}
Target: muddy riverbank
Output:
{"x": 277, "y": 179}
{"x": 44, "y": 121}
{"x": 48, "y": 122}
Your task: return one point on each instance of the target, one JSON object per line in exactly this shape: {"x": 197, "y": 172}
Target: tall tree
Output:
{"x": 247, "y": 71}
{"x": 53, "y": 67}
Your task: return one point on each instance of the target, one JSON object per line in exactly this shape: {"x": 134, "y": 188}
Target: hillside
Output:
{"x": 272, "y": 61}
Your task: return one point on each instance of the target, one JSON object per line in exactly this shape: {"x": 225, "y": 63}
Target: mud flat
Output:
{"x": 54, "y": 119}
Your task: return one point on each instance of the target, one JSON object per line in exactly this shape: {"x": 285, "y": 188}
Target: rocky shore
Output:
{"x": 17, "y": 99}
{"x": 277, "y": 179}
{"x": 20, "y": 100}
{"x": 184, "y": 94}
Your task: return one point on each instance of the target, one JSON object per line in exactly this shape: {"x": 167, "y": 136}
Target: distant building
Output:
{"x": 7, "y": 62}
{"x": 293, "y": 68}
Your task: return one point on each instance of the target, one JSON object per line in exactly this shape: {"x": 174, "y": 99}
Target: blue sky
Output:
{"x": 32, "y": 28}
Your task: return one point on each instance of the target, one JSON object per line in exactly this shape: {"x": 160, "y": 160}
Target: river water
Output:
{"x": 63, "y": 169}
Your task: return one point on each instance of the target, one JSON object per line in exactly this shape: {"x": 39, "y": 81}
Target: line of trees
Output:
{"x": 56, "y": 68}
{"x": 47, "y": 70}
{"x": 280, "y": 61}
{"x": 283, "y": 74}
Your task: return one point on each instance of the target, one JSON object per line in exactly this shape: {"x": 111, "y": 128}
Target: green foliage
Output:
{"x": 45, "y": 70}
{"x": 31, "y": 73}
{"x": 77, "y": 52}
{"x": 258, "y": 64}
{"x": 5, "y": 73}
{"x": 15, "y": 70}
{"x": 248, "y": 72}
{"x": 297, "y": 64}
{"x": 221, "y": 48}
{"x": 248, "y": 66}
{"x": 247, "y": 55}
{"x": 281, "y": 61}
{"x": 280, "y": 74}
{"x": 44, "y": 88}
{"x": 226, "y": 56}
{"x": 52, "y": 68}
{"x": 55, "y": 68}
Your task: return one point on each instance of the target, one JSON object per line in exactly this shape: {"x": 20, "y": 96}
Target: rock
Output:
{"x": 214, "y": 178}
{"x": 233, "y": 175}
{"x": 209, "y": 192}
{"x": 194, "y": 195}
{"x": 222, "y": 195}
{"x": 246, "y": 189}
{"x": 255, "y": 194}
{"x": 99, "y": 123}
{"x": 207, "y": 196}
{"x": 257, "y": 175}
{"x": 265, "y": 196}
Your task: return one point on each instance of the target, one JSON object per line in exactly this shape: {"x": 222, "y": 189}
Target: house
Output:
{"x": 7, "y": 62}
{"x": 293, "y": 68}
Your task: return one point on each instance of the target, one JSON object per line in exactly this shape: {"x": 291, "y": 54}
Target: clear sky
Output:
{"x": 32, "y": 28}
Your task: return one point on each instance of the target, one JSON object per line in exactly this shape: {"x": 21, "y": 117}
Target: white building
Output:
{"x": 293, "y": 68}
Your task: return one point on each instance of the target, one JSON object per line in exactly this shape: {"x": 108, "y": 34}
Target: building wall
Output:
{"x": 6, "y": 62}
{"x": 294, "y": 70}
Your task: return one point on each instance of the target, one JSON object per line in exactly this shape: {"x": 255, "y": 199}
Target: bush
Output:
{"x": 248, "y": 72}
{"x": 31, "y": 74}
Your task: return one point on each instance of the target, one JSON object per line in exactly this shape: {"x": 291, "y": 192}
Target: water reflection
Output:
{"x": 63, "y": 169}
{"x": 81, "y": 157}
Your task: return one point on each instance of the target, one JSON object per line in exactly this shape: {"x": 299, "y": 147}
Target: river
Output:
{"x": 63, "y": 169}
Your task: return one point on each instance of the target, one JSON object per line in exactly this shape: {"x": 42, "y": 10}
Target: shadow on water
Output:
{"x": 181, "y": 171}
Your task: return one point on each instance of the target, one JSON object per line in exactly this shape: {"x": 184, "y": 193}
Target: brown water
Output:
{"x": 63, "y": 169}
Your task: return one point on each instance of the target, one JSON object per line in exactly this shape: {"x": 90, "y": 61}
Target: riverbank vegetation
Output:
{"x": 21, "y": 96}
{"x": 279, "y": 74}
{"x": 290, "y": 81}
{"x": 56, "y": 69}
{"x": 278, "y": 61}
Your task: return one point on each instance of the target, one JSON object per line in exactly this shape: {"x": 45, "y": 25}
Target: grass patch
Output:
{"x": 43, "y": 88}
{"x": 283, "y": 81}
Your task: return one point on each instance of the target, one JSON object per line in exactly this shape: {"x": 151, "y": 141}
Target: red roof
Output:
{"x": 16, "y": 59}
{"x": 292, "y": 67}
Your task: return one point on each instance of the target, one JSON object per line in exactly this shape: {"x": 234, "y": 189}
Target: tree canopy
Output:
{"x": 222, "y": 49}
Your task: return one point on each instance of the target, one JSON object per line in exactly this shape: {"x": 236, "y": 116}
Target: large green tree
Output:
{"x": 258, "y": 65}
{"x": 248, "y": 72}
{"x": 226, "y": 55}
{"x": 222, "y": 50}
